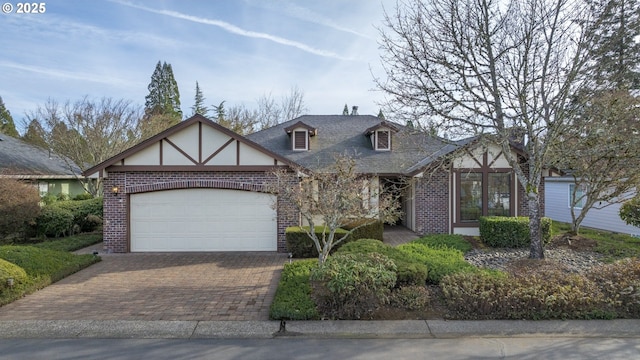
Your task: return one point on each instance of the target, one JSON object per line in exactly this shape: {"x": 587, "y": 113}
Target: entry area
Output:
{"x": 203, "y": 220}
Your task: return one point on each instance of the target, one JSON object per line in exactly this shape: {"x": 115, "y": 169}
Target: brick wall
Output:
{"x": 116, "y": 207}
{"x": 432, "y": 203}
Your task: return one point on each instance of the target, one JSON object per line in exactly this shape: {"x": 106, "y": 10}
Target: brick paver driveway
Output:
{"x": 176, "y": 286}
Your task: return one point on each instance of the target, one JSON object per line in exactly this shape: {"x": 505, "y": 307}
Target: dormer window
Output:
{"x": 300, "y": 135}
{"x": 383, "y": 140}
{"x": 380, "y": 136}
{"x": 300, "y": 140}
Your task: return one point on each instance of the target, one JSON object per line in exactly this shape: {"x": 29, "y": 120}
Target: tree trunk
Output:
{"x": 537, "y": 249}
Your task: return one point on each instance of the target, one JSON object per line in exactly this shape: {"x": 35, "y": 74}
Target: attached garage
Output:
{"x": 203, "y": 220}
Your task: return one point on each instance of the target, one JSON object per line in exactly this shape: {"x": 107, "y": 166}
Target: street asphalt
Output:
{"x": 425, "y": 329}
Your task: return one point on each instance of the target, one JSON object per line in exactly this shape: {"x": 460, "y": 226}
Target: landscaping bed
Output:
{"x": 592, "y": 276}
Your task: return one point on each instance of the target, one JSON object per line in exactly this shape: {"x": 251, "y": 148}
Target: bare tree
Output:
{"x": 88, "y": 131}
{"x": 271, "y": 113}
{"x": 337, "y": 195}
{"x": 488, "y": 66}
{"x": 602, "y": 152}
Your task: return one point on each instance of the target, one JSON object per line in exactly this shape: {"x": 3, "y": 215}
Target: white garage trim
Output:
{"x": 202, "y": 220}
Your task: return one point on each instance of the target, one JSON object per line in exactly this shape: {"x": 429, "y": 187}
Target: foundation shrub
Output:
{"x": 54, "y": 221}
{"x": 439, "y": 261}
{"x": 87, "y": 214}
{"x": 352, "y": 285}
{"x": 371, "y": 229}
{"x": 512, "y": 232}
{"x": 409, "y": 269}
{"x": 300, "y": 245}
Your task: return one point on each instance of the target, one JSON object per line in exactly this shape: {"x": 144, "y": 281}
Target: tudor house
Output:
{"x": 200, "y": 187}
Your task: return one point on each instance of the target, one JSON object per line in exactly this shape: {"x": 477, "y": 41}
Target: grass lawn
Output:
{"x": 42, "y": 263}
{"x": 613, "y": 246}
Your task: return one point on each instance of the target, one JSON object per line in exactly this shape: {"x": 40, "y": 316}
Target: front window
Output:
{"x": 383, "y": 140}
{"x": 577, "y": 196}
{"x": 470, "y": 197}
{"x": 484, "y": 194}
{"x": 499, "y": 191}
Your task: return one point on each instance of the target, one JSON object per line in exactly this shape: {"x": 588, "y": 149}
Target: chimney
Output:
{"x": 354, "y": 110}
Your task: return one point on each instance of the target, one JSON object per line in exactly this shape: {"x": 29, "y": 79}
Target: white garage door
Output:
{"x": 203, "y": 220}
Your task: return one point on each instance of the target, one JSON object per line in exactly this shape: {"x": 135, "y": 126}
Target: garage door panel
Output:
{"x": 203, "y": 220}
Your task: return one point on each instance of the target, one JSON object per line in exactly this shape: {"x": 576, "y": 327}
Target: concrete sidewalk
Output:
{"x": 430, "y": 329}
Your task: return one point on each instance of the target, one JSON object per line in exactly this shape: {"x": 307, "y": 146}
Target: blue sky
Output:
{"x": 237, "y": 51}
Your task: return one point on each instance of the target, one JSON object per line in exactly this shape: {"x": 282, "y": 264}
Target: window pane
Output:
{"x": 579, "y": 198}
{"x": 300, "y": 140}
{"x": 383, "y": 140}
{"x": 470, "y": 197}
{"x": 499, "y": 194}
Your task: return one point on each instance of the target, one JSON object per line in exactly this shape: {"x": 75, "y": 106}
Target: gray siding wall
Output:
{"x": 557, "y": 208}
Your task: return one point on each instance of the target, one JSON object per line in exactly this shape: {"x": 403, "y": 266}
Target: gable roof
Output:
{"x": 19, "y": 159}
{"x": 347, "y": 134}
{"x": 175, "y": 129}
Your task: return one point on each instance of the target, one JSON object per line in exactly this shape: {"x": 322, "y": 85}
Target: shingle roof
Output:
{"x": 21, "y": 159}
{"x": 340, "y": 134}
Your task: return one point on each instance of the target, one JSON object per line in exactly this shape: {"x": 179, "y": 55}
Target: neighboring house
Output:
{"x": 200, "y": 187}
{"x": 558, "y": 192}
{"x": 50, "y": 173}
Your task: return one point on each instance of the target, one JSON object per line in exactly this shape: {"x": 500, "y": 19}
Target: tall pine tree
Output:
{"x": 198, "y": 105}
{"x": 162, "y": 105}
{"x": 7, "y": 126}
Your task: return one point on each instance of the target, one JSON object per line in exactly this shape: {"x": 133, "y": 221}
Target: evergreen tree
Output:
{"x": 35, "y": 134}
{"x": 615, "y": 50}
{"x": 162, "y": 105}
{"x": 198, "y": 105}
{"x": 7, "y": 126}
{"x": 345, "y": 111}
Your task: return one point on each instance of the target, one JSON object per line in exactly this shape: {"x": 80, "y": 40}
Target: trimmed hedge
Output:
{"x": 511, "y": 232}
{"x": 54, "y": 221}
{"x": 409, "y": 269}
{"x": 373, "y": 230}
{"x": 84, "y": 212}
{"x": 300, "y": 244}
{"x": 67, "y": 217}
{"x": 292, "y": 300}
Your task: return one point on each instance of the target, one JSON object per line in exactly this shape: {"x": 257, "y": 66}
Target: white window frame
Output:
{"x": 388, "y": 148}
{"x": 581, "y": 191}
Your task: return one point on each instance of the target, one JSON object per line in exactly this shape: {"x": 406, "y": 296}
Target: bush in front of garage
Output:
{"x": 300, "y": 245}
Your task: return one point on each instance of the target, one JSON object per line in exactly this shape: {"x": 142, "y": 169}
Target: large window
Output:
{"x": 577, "y": 197}
{"x": 499, "y": 194}
{"x": 470, "y": 197}
{"x": 484, "y": 194}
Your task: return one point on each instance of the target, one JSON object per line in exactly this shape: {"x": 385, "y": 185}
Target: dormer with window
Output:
{"x": 300, "y": 135}
{"x": 381, "y": 136}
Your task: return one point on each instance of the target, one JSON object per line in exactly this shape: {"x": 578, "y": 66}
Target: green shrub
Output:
{"x": 445, "y": 240}
{"x": 535, "y": 296}
{"x": 300, "y": 244}
{"x": 10, "y": 270}
{"x": 409, "y": 270}
{"x": 352, "y": 286}
{"x": 410, "y": 298}
{"x": 62, "y": 197}
{"x": 84, "y": 196}
{"x": 87, "y": 214}
{"x": 440, "y": 262}
{"x": 292, "y": 300}
{"x": 630, "y": 211}
{"x": 620, "y": 282}
{"x": 54, "y": 221}
{"x": 512, "y": 232}
{"x": 373, "y": 230}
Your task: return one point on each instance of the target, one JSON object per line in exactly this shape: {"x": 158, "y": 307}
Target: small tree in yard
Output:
{"x": 18, "y": 206}
{"x": 337, "y": 195}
